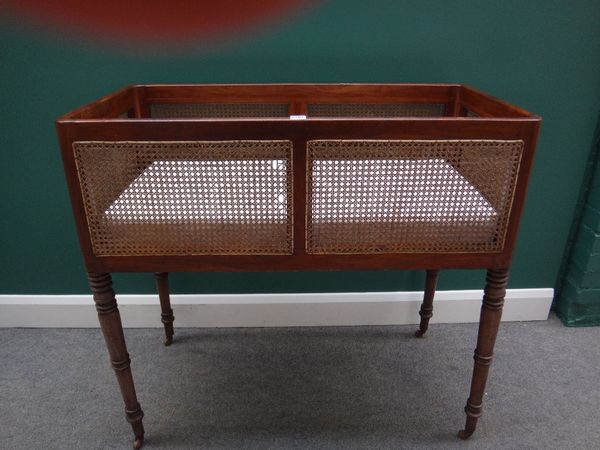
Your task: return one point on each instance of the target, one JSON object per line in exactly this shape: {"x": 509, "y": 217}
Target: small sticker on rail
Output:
{"x": 297, "y": 117}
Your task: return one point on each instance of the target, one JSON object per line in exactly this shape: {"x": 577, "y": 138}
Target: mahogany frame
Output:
{"x": 468, "y": 114}
{"x": 99, "y": 121}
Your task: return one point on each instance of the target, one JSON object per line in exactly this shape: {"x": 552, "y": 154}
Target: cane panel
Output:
{"x": 375, "y": 110}
{"x": 218, "y": 110}
{"x": 187, "y": 198}
{"x": 409, "y": 196}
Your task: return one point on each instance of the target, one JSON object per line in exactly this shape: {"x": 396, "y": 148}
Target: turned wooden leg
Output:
{"x": 426, "y": 311}
{"x": 110, "y": 322}
{"x": 166, "y": 316}
{"x": 491, "y": 312}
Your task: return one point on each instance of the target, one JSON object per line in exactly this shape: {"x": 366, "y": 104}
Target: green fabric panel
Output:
{"x": 583, "y": 258}
{"x": 576, "y": 314}
{"x": 541, "y": 55}
{"x": 583, "y": 277}
{"x": 594, "y": 198}
{"x": 573, "y": 291}
{"x": 578, "y": 295}
{"x": 588, "y": 239}
{"x": 591, "y": 217}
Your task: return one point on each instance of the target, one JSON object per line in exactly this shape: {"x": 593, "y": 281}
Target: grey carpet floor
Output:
{"x": 302, "y": 388}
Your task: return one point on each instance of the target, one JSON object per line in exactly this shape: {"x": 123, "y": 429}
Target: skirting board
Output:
{"x": 270, "y": 310}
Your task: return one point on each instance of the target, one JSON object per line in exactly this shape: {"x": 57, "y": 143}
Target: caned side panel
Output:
{"x": 187, "y": 197}
{"x": 375, "y": 109}
{"x": 409, "y": 196}
{"x": 218, "y": 110}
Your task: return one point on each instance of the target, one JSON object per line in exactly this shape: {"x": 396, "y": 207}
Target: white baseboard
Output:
{"x": 270, "y": 310}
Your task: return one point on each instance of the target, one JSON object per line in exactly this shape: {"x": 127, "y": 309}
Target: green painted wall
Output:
{"x": 542, "y": 55}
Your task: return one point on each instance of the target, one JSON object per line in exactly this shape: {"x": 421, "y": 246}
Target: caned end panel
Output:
{"x": 409, "y": 196}
{"x": 187, "y": 197}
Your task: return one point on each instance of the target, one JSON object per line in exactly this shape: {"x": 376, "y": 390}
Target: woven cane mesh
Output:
{"x": 218, "y": 110}
{"x": 187, "y": 198}
{"x": 409, "y": 196}
{"x": 375, "y": 109}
